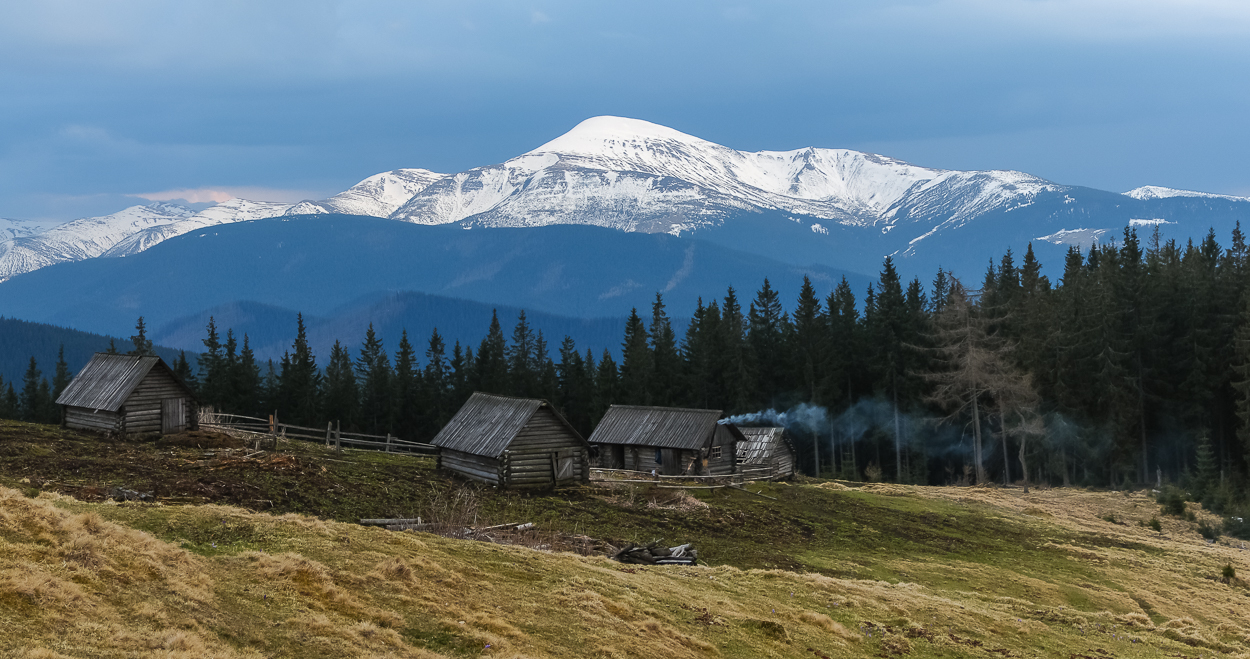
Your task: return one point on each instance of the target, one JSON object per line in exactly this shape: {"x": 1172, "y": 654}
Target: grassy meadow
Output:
{"x": 248, "y": 555}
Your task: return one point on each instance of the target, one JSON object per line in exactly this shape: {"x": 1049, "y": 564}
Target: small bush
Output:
{"x": 1230, "y": 572}
{"x": 31, "y": 492}
{"x": 1110, "y": 517}
{"x": 1154, "y": 524}
{"x": 1209, "y": 532}
{"x": 1237, "y": 526}
{"x": 1172, "y": 500}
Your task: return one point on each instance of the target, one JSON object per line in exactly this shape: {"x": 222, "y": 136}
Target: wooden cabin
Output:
{"x": 767, "y": 447}
{"x": 512, "y": 442}
{"x": 668, "y": 440}
{"x": 128, "y": 394}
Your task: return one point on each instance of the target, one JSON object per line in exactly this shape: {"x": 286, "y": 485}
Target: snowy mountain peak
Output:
{"x": 1148, "y": 192}
{"x": 619, "y": 136}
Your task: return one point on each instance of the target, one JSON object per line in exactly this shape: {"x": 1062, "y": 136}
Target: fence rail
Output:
{"x": 684, "y": 481}
{"x": 332, "y": 435}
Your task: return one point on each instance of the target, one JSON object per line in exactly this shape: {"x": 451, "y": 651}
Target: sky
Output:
{"x": 106, "y": 105}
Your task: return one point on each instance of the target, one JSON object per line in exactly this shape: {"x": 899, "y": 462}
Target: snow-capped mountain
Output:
{"x": 639, "y": 176}
{"x": 234, "y": 210}
{"x": 85, "y": 238}
{"x": 1147, "y": 192}
{"x": 838, "y": 207}
{"x": 379, "y": 195}
{"x": 10, "y": 229}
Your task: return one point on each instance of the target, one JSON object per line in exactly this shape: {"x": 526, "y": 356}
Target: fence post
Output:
{"x": 338, "y": 436}
{"x": 388, "y": 442}
{"x": 328, "y": 424}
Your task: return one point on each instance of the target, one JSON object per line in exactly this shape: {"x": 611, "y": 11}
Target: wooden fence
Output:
{"x": 332, "y": 435}
{"x": 685, "y": 482}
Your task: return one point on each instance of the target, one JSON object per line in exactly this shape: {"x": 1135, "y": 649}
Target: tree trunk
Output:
{"x": 1006, "y": 459}
{"x": 976, "y": 439}
{"x": 898, "y": 440}
{"x": 1024, "y": 465}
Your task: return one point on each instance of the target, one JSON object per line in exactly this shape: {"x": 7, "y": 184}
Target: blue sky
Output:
{"x": 105, "y": 104}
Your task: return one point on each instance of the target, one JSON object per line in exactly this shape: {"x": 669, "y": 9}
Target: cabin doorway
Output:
{"x": 562, "y": 464}
{"x": 173, "y": 415}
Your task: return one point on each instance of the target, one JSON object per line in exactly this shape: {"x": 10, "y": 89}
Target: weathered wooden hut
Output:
{"x": 512, "y": 442}
{"x": 128, "y": 394}
{"x": 668, "y": 440}
{"x": 769, "y": 448}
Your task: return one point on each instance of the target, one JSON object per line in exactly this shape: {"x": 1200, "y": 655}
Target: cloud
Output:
{"x": 218, "y": 195}
{"x": 537, "y": 17}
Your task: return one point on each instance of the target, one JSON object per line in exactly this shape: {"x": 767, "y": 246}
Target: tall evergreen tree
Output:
{"x": 437, "y": 385}
{"x": 299, "y": 381}
{"x": 766, "y": 336}
{"x": 490, "y": 366}
{"x": 373, "y": 371}
{"x": 409, "y": 412}
{"x": 340, "y": 395}
{"x": 34, "y": 403}
{"x": 522, "y": 358}
{"x": 665, "y": 358}
{"x": 142, "y": 345}
{"x": 62, "y": 377}
{"x": 212, "y": 376}
{"x": 636, "y": 363}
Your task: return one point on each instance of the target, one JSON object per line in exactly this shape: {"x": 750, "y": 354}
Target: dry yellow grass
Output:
{"x": 79, "y": 580}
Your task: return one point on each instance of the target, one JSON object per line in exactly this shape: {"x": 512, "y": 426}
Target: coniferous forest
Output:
{"x": 1130, "y": 367}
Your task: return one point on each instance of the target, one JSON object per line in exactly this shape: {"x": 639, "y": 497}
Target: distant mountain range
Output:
{"x": 346, "y": 271}
{"x": 833, "y": 207}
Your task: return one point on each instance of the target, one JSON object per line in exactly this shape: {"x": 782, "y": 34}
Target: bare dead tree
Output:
{"x": 978, "y": 378}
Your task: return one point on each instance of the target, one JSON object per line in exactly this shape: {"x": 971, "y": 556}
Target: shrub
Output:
{"x": 1236, "y": 526}
{"x": 1154, "y": 524}
{"x": 1230, "y": 573}
{"x": 1110, "y": 517}
{"x": 1209, "y": 532}
{"x": 1172, "y": 500}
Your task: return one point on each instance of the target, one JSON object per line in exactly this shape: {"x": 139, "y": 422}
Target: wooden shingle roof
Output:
{"x": 487, "y": 423}
{"x": 108, "y": 380}
{"x": 664, "y": 427}
{"x": 762, "y": 444}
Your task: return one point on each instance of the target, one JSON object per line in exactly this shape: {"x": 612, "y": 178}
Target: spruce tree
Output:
{"x": 33, "y": 403}
{"x": 490, "y": 366}
{"x": 212, "y": 376}
{"x": 183, "y": 371}
{"x": 767, "y": 327}
{"x": 373, "y": 370}
{"x": 437, "y": 384}
{"x": 12, "y": 404}
{"x": 607, "y": 385}
{"x": 409, "y": 413}
{"x": 340, "y": 395}
{"x": 299, "y": 381}
{"x": 522, "y": 359}
{"x": 142, "y": 346}
{"x": 6, "y": 412}
{"x": 666, "y": 361}
{"x": 461, "y": 378}
{"x": 636, "y": 363}
{"x": 62, "y": 377}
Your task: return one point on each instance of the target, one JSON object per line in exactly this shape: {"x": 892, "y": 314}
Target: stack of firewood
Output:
{"x": 656, "y": 554}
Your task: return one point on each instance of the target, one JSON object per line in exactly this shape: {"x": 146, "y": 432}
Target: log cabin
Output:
{"x": 512, "y": 442}
{"x": 128, "y": 394}
{"x": 670, "y": 441}
{"x": 767, "y": 447}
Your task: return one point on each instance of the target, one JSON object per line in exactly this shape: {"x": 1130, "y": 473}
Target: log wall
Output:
{"x": 473, "y": 467}
{"x": 727, "y": 462}
{"x": 528, "y": 459}
{"x": 81, "y": 418}
{"x": 142, "y": 411}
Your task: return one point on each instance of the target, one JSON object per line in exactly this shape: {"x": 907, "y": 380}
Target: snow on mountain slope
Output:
{"x": 1148, "y": 192}
{"x": 234, "y": 210}
{"x": 10, "y": 229}
{"x": 85, "y": 238}
{"x": 638, "y": 176}
{"x": 379, "y": 195}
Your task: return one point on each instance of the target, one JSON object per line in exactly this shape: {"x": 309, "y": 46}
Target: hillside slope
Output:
{"x": 874, "y": 570}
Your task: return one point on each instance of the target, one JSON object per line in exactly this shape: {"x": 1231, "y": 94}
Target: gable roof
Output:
{"x": 108, "y": 380}
{"x": 487, "y": 423}
{"x": 762, "y": 443}
{"x": 665, "y": 427}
